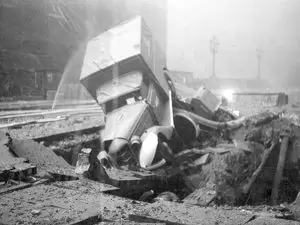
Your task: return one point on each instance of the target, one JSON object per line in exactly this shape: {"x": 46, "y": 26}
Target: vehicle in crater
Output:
{"x": 145, "y": 120}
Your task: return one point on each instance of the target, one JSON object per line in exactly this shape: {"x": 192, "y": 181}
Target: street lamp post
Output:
{"x": 214, "y": 48}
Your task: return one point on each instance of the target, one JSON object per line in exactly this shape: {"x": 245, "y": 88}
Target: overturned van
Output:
{"x": 123, "y": 71}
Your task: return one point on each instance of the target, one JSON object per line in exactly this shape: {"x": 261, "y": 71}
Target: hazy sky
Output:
{"x": 241, "y": 26}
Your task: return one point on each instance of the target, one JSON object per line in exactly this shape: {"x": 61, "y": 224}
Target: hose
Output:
{"x": 234, "y": 124}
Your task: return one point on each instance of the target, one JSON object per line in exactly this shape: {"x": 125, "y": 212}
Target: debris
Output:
{"x": 231, "y": 125}
{"x": 294, "y": 207}
{"x": 16, "y": 187}
{"x": 86, "y": 150}
{"x": 44, "y": 158}
{"x": 215, "y": 150}
{"x": 6, "y": 155}
{"x": 146, "y": 195}
{"x": 202, "y": 196}
{"x": 167, "y": 196}
{"x": 20, "y": 185}
{"x": 249, "y": 146}
{"x": 97, "y": 172}
{"x": 236, "y": 113}
{"x": 264, "y": 117}
{"x": 226, "y": 172}
{"x": 11, "y": 167}
{"x": 62, "y": 174}
{"x": 286, "y": 135}
{"x": 35, "y": 212}
{"x": 282, "y": 212}
{"x": 83, "y": 163}
{"x": 21, "y": 171}
{"x": 243, "y": 145}
{"x": 202, "y": 160}
{"x": 205, "y": 103}
{"x": 144, "y": 219}
{"x": 251, "y": 180}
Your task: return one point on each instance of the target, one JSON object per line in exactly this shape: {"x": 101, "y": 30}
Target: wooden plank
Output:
{"x": 280, "y": 167}
{"x": 20, "y": 186}
{"x": 146, "y": 219}
{"x": 249, "y": 182}
{"x": 86, "y": 185}
{"x": 13, "y": 188}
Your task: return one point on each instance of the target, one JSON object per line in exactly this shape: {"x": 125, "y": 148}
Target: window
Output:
{"x": 120, "y": 86}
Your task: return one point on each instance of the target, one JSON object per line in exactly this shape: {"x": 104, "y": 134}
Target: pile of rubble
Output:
{"x": 255, "y": 164}
{"x": 262, "y": 154}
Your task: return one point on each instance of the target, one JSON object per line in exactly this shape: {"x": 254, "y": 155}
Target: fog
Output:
{"x": 241, "y": 26}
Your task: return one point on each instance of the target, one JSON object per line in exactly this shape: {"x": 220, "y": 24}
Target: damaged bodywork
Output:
{"x": 146, "y": 120}
{"x": 132, "y": 89}
{"x": 143, "y": 113}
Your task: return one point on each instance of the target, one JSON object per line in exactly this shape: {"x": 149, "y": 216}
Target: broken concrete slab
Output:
{"x": 37, "y": 153}
{"x": 44, "y": 158}
{"x": 21, "y": 171}
{"x": 9, "y": 165}
{"x": 16, "y": 169}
